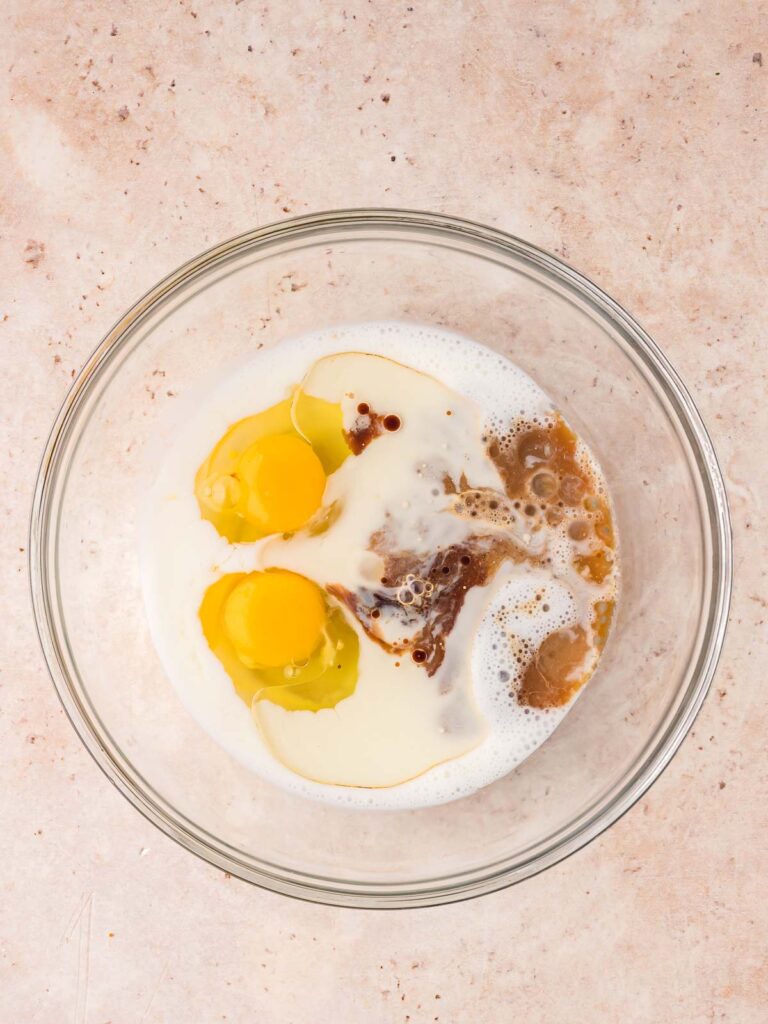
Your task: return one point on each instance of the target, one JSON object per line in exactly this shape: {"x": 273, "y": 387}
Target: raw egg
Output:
{"x": 268, "y": 473}
{"x": 280, "y": 639}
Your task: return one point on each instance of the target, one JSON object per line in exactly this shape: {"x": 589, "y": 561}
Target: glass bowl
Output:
{"x": 613, "y": 385}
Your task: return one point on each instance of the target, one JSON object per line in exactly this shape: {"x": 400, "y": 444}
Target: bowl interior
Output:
{"x": 254, "y": 294}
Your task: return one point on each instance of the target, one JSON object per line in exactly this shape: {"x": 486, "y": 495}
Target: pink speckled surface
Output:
{"x": 629, "y": 137}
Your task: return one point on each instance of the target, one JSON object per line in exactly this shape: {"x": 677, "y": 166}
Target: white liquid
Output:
{"x": 182, "y": 555}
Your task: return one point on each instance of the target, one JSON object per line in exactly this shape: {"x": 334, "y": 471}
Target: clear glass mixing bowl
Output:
{"x": 613, "y": 385}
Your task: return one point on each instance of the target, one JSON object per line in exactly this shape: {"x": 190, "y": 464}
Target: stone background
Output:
{"x": 628, "y": 137}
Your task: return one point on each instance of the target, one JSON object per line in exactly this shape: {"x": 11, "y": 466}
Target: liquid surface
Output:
{"x": 439, "y": 541}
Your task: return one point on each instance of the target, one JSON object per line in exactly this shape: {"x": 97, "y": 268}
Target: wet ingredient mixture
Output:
{"x": 404, "y": 578}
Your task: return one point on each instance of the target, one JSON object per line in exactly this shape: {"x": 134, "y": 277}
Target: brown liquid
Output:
{"x": 367, "y": 426}
{"x": 556, "y": 670}
{"x": 602, "y": 615}
{"x": 426, "y": 594}
{"x": 542, "y": 461}
{"x": 594, "y": 567}
{"x": 544, "y": 481}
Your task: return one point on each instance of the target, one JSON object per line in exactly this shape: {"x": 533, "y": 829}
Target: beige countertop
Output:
{"x": 630, "y": 138}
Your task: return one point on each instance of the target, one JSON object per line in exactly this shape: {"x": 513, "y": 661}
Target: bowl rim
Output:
{"x": 499, "y": 875}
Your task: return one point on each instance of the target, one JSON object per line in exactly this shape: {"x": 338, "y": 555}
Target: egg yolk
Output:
{"x": 282, "y": 482}
{"x": 267, "y": 473}
{"x": 280, "y": 639}
{"x": 274, "y": 618}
